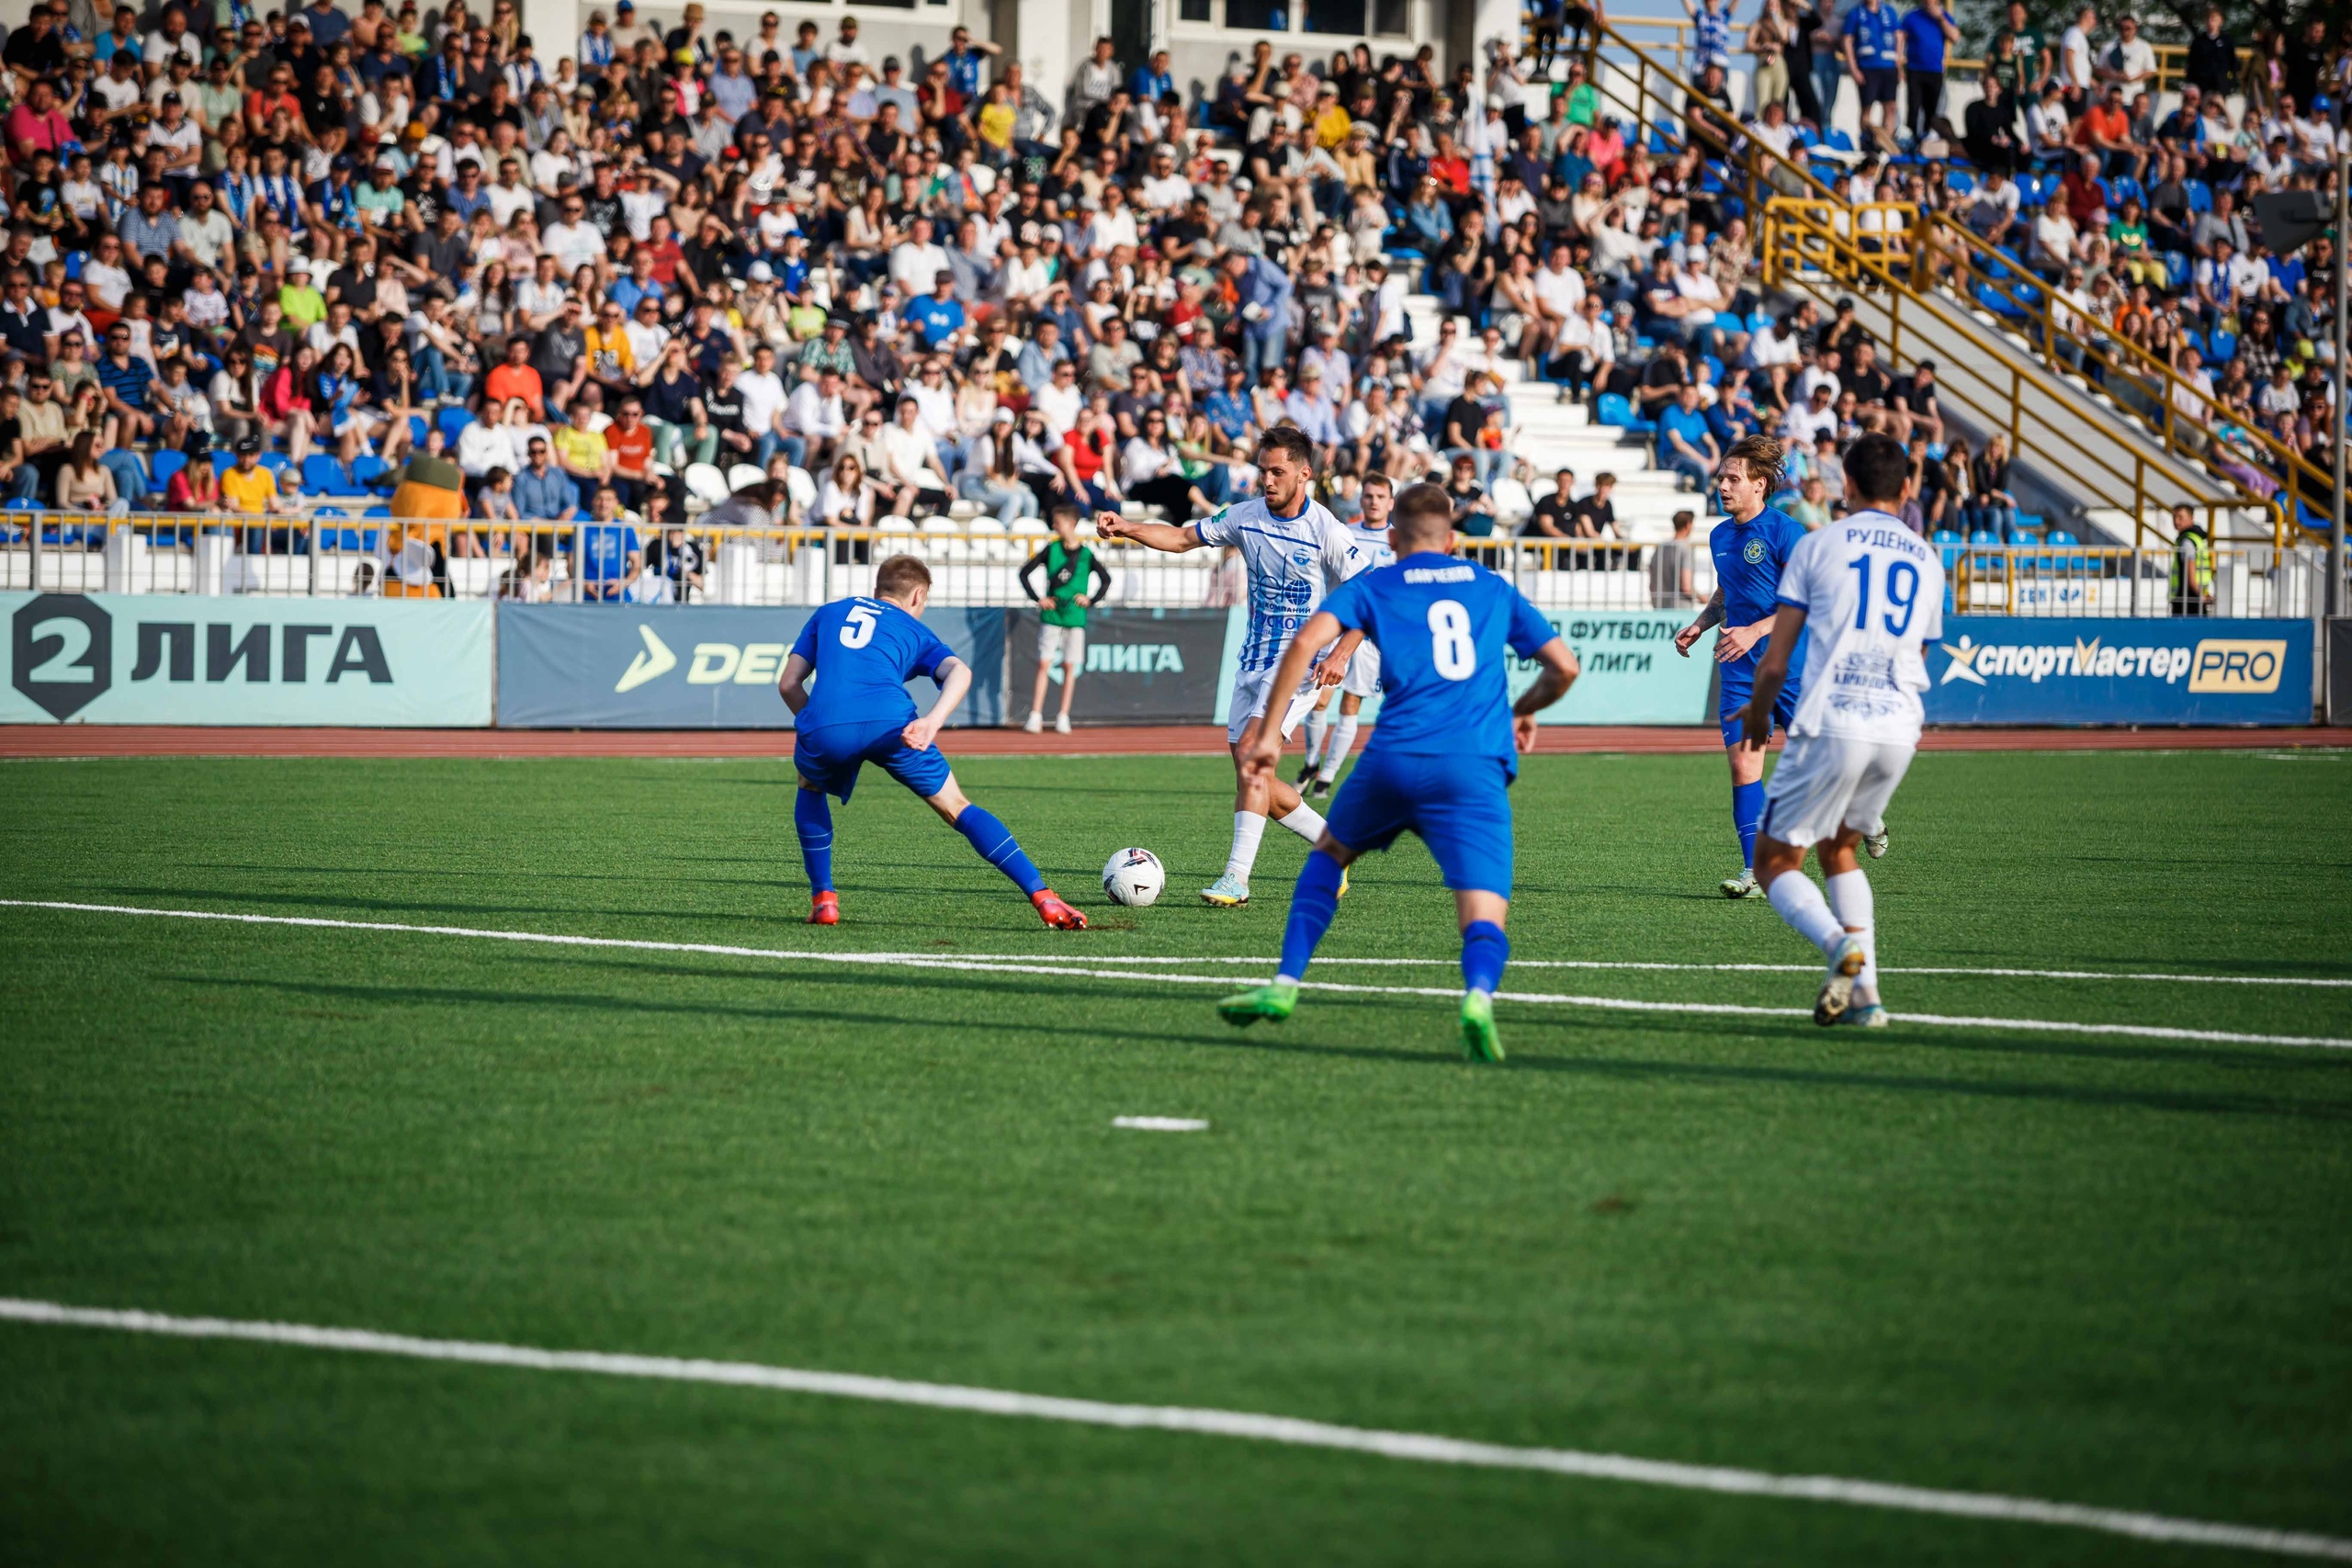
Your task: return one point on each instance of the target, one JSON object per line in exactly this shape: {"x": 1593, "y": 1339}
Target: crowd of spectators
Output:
{"x": 2112, "y": 188}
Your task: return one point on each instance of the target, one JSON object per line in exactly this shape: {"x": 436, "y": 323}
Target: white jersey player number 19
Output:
{"x": 1874, "y": 595}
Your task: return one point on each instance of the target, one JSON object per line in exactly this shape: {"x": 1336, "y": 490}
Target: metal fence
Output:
{"x": 980, "y": 564}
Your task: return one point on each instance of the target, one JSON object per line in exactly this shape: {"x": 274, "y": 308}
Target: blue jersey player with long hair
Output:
{"x": 1751, "y": 546}
{"x": 863, "y": 653}
{"x": 1440, "y": 761}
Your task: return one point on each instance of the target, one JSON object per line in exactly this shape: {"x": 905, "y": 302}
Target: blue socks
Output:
{"x": 1485, "y": 951}
{"x": 1748, "y": 816}
{"x": 996, "y": 845}
{"x": 1312, "y": 906}
{"x": 813, "y": 815}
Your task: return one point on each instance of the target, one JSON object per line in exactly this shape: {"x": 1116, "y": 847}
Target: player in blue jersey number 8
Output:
{"x": 1440, "y": 761}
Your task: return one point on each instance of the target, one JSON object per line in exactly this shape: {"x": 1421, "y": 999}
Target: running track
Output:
{"x": 162, "y": 741}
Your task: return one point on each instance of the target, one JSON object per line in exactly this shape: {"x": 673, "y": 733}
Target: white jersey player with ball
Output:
{"x": 1867, "y": 595}
{"x": 1296, "y": 552}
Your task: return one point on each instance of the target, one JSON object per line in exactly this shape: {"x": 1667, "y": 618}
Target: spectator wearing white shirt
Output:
{"x": 814, "y": 421}
{"x": 510, "y": 195}
{"x": 2076, "y": 67}
{"x": 1163, "y": 189}
{"x": 917, "y": 261}
{"x": 1113, "y": 226}
{"x": 763, "y": 397}
{"x": 1807, "y": 422}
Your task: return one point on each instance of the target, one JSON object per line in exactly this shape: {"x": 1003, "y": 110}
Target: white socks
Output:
{"x": 1800, "y": 903}
{"x": 1849, "y": 898}
{"x": 1248, "y": 829}
{"x": 1343, "y": 736}
{"x": 1319, "y": 724}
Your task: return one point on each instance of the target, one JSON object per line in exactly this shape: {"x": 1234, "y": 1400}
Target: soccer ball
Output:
{"x": 1133, "y": 877}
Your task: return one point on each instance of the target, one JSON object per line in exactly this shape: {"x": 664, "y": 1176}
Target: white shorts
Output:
{"x": 1826, "y": 783}
{"x": 1065, "y": 646}
{"x": 1362, "y": 678}
{"x": 1250, "y": 688}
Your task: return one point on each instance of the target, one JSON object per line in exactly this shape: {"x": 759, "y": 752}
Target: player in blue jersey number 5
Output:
{"x": 863, "y": 652}
{"x": 1441, "y": 759}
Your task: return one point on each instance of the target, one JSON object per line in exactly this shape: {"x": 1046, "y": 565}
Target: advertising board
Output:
{"x": 2012, "y": 670}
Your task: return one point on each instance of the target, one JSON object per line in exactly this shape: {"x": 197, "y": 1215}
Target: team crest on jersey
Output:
{"x": 1754, "y": 551}
{"x": 1302, "y": 557}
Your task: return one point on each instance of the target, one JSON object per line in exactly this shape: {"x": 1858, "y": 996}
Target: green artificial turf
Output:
{"x": 2101, "y": 1270}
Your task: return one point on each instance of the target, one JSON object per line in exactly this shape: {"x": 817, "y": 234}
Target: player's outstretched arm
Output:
{"x": 793, "y": 685}
{"x": 1261, "y": 744}
{"x": 1165, "y": 537}
{"x": 1334, "y": 669}
{"x": 1560, "y": 672}
{"x": 1787, "y": 627}
{"x": 1711, "y": 616}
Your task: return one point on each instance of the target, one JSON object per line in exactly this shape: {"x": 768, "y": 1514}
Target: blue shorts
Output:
{"x": 1739, "y": 685}
{"x": 830, "y": 757}
{"x": 1460, "y": 805}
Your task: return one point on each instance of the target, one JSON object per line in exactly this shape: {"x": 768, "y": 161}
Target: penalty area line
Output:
{"x": 1410, "y": 1446}
{"x": 1028, "y": 966}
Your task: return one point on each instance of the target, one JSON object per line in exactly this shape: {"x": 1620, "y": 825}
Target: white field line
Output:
{"x": 1262, "y": 960}
{"x": 1029, "y": 965}
{"x": 1699, "y": 968}
{"x": 1421, "y": 1448}
{"x": 1159, "y": 1123}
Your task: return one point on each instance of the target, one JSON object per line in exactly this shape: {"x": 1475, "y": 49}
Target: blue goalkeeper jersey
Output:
{"x": 864, "y": 651}
{"x": 1443, "y": 627}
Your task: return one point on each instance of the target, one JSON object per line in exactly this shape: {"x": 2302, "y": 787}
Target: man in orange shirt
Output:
{"x": 630, "y": 441}
{"x": 516, "y": 378}
{"x": 279, "y": 95}
{"x": 2106, "y": 130}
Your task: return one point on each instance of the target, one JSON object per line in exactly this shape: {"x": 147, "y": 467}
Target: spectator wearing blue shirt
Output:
{"x": 1873, "y": 50}
{"x": 1312, "y": 412}
{"x": 939, "y": 316}
{"x": 1926, "y": 30}
{"x": 964, "y": 57}
{"x": 544, "y": 493}
{"x": 1228, "y": 408}
{"x": 122, "y": 381}
{"x": 329, "y": 26}
{"x": 1149, "y": 84}
{"x": 609, "y": 554}
{"x": 1710, "y": 30}
{"x": 1044, "y": 350}
{"x": 1265, "y": 291}
{"x": 1685, "y": 444}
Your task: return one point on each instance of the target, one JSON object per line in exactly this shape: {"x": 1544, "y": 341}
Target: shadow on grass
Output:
{"x": 1260, "y": 1041}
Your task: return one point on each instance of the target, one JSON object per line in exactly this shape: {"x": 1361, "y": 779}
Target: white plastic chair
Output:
{"x": 801, "y": 488}
{"x": 705, "y": 482}
{"x": 744, "y": 474}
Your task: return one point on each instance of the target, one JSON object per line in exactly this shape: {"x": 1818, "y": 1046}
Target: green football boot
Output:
{"x": 1479, "y": 1040}
{"x": 1275, "y": 1000}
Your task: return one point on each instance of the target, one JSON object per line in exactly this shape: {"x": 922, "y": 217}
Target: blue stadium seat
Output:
{"x": 2176, "y": 270}
{"x": 452, "y": 420}
{"x": 1614, "y": 410}
{"x": 2200, "y": 196}
{"x": 1840, "y": 143}
{"x": 416, "y": 428}
{"x": 1983, "y": 536}
{"x": 1961, "y": 180}
{"x": 1945, "y": 537}
{"x": 2060, "y": 536}
{"x": 2224, "y": 347}
{"x": 377, "y": 512}
{"x": 223, "y": 462}
{"x": 322, "y": 475}
{"x": 166, "y": 464}
{"x": 368, "y": 467}
{"x": 25, "y": 506}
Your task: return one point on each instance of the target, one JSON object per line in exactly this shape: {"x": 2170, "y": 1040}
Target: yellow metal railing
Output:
{"x": 1820, "y": 260}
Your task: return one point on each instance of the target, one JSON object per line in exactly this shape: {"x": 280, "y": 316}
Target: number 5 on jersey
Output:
{"x": 857, "y": 627}
{"x": 1452, "y": 647}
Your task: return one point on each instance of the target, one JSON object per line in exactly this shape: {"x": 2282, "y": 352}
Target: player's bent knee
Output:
{"x": 1326, "y": 844}
{"x": 1773, "y": 857}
